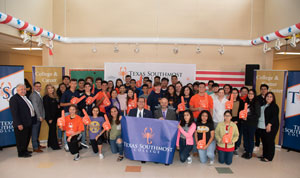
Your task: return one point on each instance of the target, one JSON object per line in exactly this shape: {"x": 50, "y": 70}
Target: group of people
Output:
{"x": 211, "y": 119}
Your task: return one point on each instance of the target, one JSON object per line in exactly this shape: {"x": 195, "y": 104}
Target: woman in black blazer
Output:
{"x": 271, "y": 127}
{"x": 51, "y": 105}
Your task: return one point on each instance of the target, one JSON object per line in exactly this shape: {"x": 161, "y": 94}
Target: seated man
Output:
{"x": 140, "y": 112}
{"x": 163, "y": 113}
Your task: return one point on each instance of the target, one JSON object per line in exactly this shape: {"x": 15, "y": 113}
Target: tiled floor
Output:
{"x": 60, "y": 164}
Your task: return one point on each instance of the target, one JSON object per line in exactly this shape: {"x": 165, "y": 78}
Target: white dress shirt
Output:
{"x": 140, "y": 113}
{"x": 29, "y": 104}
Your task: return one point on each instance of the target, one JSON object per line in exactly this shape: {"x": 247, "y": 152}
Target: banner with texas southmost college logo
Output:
{"x": 184, "y": 72}
{"x": 148, "y": 139}
{"x": 291, "y": 138}
{"x": 10, "y": 77}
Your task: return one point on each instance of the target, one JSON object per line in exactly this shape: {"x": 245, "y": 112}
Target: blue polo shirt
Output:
{"x": 66, "y": 98}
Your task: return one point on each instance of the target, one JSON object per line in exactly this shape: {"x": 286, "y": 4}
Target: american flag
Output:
{"x": 234, "y": 78}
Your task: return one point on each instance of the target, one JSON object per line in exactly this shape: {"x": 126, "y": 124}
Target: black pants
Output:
{"x": 238, "y": 143}
{"x": 95, "y": 143}
{"x": 52, "y": 137}
{"x": 268, "y": 141}
{"x": 248, "y": 134}
{"x": 258, "y": 136}
{"x": 74, "y": 144}
{"x": 22, "y": 139}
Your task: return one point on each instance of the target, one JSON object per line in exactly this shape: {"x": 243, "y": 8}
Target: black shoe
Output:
{"x": 244, "y": 155}
{"x": 28, "y": 152}
{"x": 167, "y": 164}
{"x": 143, "y": 162}
{"x": 56, "y": 148}
{"x": 26, "y": 155}
{"x": 249, "y": 156}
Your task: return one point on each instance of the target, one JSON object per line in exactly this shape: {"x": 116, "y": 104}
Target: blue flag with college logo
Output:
{"x": 291, "y": 134}
{"x": 10, "y": 77}
{"x": 148, "y": 139}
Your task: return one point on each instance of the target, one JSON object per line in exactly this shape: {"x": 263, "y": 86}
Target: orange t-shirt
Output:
{"x": 197, "y": 101}
{"x": 73, "y": 125}
{"x": 100, "y": 96}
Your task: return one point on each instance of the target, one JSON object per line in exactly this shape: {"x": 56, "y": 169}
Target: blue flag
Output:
{"x": 148, "y": 139}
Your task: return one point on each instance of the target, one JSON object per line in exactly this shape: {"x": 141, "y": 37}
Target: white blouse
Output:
{"x": 219, "y": 109}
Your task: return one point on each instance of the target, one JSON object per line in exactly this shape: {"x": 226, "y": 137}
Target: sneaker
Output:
{"x": 101, "y": 156}
{"x": 189, "y": 160}
{"x": 256, "y": 149}
{"x": 211, "y": 162}
{"x": 76, "y": 157}
{"x": 67, "y": 148}
{"x": 244, "y": 155}
{"x": 84, "y": 145}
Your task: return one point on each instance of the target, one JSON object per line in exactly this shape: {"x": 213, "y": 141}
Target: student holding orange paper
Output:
{"x": 131, "y": 100}
{"x": 102, "y": 97}
{"x": 205, "y": 126}
{"x": 238, "y": 106}
{"x": 225, "y": 147}
{"x": 73, "y": 127}
{"x": 249, "y": 124}
{"x": 201, "y": 101}
{"x": 185, "y": 140}
{"x": 96, "y": 132}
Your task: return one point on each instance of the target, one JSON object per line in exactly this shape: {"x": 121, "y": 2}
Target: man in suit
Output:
{"x": 164, "y": 113}
{"x": 38, "y": 106}
{"x": 23, "y": 114}
{"x": 140, "y": 112}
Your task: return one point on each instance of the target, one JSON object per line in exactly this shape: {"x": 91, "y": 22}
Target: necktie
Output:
{"x": 164, "y": 114}
{"x": 140, "y": 114}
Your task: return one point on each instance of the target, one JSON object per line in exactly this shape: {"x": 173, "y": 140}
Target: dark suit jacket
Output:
{"x": 146, "y": 113}
{"x": 272, "y": 116}
{"x": 20, "y": 111}
{"x": 171, "y": 115}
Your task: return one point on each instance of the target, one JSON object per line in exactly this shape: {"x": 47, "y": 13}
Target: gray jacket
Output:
{"x": 38, "y": 105}
{"x": 171, "y": 115}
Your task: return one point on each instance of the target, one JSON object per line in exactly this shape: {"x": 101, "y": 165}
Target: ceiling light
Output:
{"x": 28, "y": 49}
{"x": 137, "y": 49}
{"x": 289, "y": 53}
{"x": 198, "y": 50}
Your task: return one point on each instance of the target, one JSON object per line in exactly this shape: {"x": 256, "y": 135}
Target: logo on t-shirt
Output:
{"x": 94, "y": 127}
{"x": 201, "y": 129}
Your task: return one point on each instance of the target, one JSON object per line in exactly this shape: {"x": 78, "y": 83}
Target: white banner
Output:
{"x": 184, "y": 72}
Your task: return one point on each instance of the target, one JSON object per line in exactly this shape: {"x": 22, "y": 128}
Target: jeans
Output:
{"x": 35, "y": 134}
{"x": 225, "y": 157}
{"x": 59, "y": 133}
{"x": 65, "y": 136}
{"x": 248, "y": 134}
{"x": 209, "y": 152}
{"x": 83, "y": 135}
{"x": 115, "y": 147}
{"x": 184, "y": 150}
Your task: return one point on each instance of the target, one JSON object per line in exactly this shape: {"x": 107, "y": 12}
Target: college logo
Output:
{"x": 6, "y": 90}
{"x": 148, "y": 135}
{"x": 94, "y": 127}
{"x": 295, "y": 95}
{"x": 123, "y": 72}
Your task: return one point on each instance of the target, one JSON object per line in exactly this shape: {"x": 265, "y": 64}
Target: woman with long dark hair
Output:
{"x": 185, "y": 140}
{"x": 249, "y": 123}
{"x": 172, "y": 98}
{"x": 115, "y": 138}
{"x": 269, "y": 123}
{"x": 205, "y": 125}
{"x": 238, "y": 106}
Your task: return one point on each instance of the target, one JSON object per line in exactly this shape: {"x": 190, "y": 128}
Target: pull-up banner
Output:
{"x": 184, "y": 72}
{"x": 10, "y": 77}
{"x": 148, "y": 139}
{"x": 291, "y": 137}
